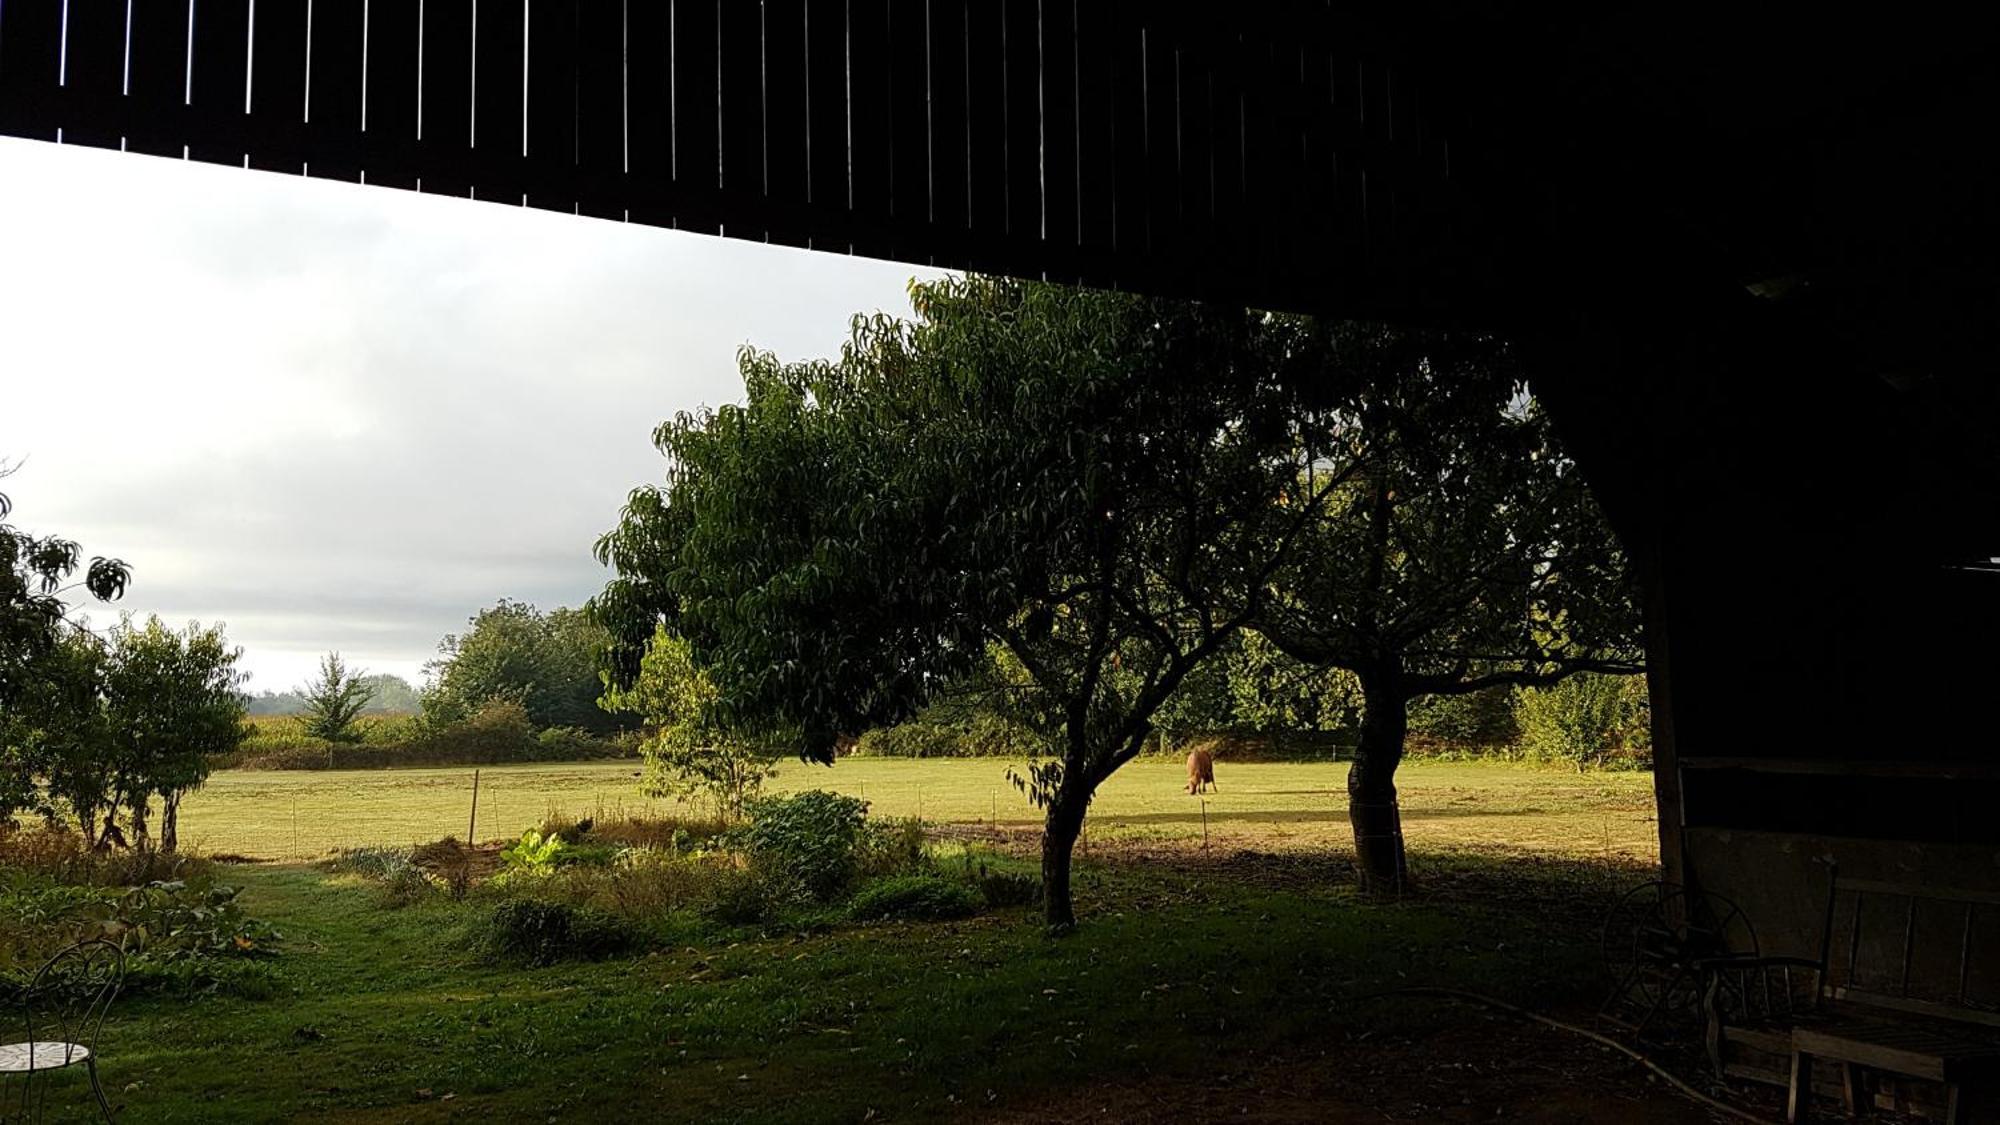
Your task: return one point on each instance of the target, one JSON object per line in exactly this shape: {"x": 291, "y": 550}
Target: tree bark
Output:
{"x": 1059, "y": 833}
{"x": 141, "y": 841}
{"x": 1371, "y": 783}
{"x": 170, "y": 810}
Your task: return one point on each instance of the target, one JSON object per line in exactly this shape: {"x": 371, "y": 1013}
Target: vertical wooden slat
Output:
{"x": 986, "y": 124}
{"x": 1023, "y": 112}
{"x": 445, "y": 119}
{"x": 649, "y": 104}
{"x": 872, "y": 138}
{"x": 1321, "y": 197}
{"x": 1226, "y": 160}
{"x": 1909, "y": 944}
{"x": 499, "y": 111}
{"x": 909, "y": 134}
{"x": 216, "y": 76}
{"x": 277, "y": 82}
{"x": 551, "y": 103}
{"x": 334, "y": 112}
{"x": 30, "y": 66}
{"x": 1131, "y": 234}
{"x": 742, "y": 120}
{"x": 1965, "y": 954}
{"x": 826, "y": 125}
{"x": 1059, "y": 133}
{"x": 785, "y": 121}
{"x": 1290, "y": 253}
{"x": 600, "y": 108}
{"x": 1159, "y": 87}
{"x": 1096, "y": 182}
{"x": 697, "y": 144}
{"x": 1196, "y": 113}
{"x": 94, "y": 72}
{"x": 157, "y": 69}
{"x": 1350, "y": 162}
{"x": 945, "y": 62}
{"x": 389, "y": 111}
{"x": 1854, "y": 939}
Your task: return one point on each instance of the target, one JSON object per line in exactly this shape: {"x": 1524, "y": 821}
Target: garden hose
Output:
{"x": 1656, "y": 1068}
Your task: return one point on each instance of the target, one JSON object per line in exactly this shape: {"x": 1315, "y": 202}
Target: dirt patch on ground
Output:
{"x": 1479, "y": 1067}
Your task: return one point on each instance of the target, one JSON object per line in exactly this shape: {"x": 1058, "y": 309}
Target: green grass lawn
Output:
{"x": 1269, "y": 806}
{"x": 383, "y": 1014}
{"x": 1186, "y": 959}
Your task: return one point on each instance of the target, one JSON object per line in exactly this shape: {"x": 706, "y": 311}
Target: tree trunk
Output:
{"x": 140, "y": 840}
{"x": 1059, "y": 832}
{"x": 1371, "y": 783}
{"x": 170, "y": 815}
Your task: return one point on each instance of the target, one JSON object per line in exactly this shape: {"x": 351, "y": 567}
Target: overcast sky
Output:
{"x": 346, "y": 418}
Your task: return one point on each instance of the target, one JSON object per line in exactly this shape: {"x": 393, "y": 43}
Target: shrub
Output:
{"x": 170, "y": 921}
{"x": 497, "y": 733}
{"x": 894, "y": 846}
{"x": 1481, "y": 718}
{"x": 62, "y": 856}
{"x": 542, "y": 933}
{"x": 1003, "y": 889}
{"x": 642, "y": 884}
{"x": 951, "y": 730}
{"x": 566, "y": 744}
{"x": 921, "y": 898}
{"x": 532, "y": 854}
{"x": 808, "y": 840}
{"x": 742, "y": 897}
{"x": 369, "y": 862}
{"x": 1583, "y": 720}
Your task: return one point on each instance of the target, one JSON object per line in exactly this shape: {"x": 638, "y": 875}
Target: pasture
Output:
{"x": 1264, "y": 806}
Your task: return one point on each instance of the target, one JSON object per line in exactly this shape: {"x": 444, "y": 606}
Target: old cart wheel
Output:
{"x": 1652, "y": 938}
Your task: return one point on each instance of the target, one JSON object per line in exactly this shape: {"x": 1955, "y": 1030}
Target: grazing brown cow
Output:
{"x": 1201, "y": 771}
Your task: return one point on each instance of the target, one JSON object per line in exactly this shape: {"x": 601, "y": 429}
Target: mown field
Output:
{"x": 1266, "y": 806}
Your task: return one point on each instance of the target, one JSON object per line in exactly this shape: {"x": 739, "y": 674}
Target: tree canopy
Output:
{"x": 511, "y": 650}
{"x": 35, "y": 573}
{"x": 173, "y": 703}
{"x": 1098, "y": 486}
{"x": 1463, "y": 553}
{"x": 334, "y": 699}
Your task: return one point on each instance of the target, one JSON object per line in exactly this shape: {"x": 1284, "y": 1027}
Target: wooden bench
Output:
{"x": 1888, "y": 992}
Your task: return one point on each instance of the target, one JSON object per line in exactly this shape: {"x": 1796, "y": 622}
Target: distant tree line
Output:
{"x": 519, "y": 684}
{"x": 389, "y": 694}
{"x": 1253, "y": 691}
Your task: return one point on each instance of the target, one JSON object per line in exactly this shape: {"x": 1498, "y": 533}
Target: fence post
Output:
{"x": 472, "y": 822}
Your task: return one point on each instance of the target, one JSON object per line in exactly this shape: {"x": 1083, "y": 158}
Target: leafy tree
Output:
{"x": 35, "y": 573}
{"x": 55, "y": 740}
{"x": 335, "y": 700}
{"x": 1465, "y": 554}
{"x": 389, "y": 694}
{"x": 1270, "y": 691}
{"x": 172, "y": 701}
{"x": 1100, "y": 485}
{"x": 687, "y": 755}
{"x": 547, "y": 661}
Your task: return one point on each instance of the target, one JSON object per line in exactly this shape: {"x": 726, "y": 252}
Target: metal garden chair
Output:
{"x": 63, "y": 1008}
